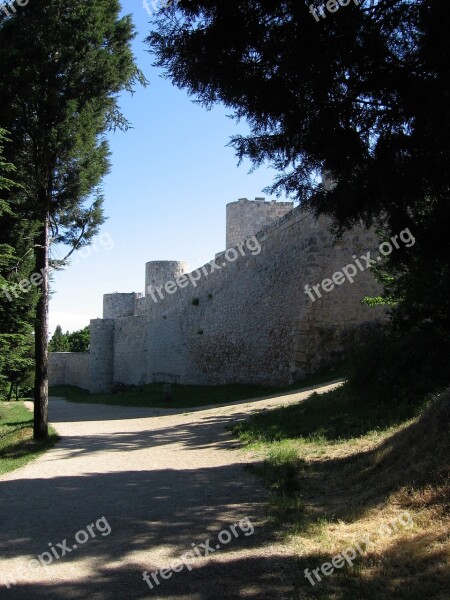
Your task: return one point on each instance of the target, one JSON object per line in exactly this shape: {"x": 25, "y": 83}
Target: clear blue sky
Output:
{"x": 171, "y": 178}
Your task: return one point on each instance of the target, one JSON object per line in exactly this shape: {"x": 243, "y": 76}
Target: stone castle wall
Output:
{"x": 249, "y": 321}
{"x": 70, "y": 368}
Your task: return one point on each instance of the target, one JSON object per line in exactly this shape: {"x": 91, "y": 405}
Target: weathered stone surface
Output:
{"x": 70, "y": 368}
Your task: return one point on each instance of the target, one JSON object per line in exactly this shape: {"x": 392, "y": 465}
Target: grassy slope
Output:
{"x": 187, "y": 396}
{"x": 340, "y": 469}
{"x": 17, "y": 446}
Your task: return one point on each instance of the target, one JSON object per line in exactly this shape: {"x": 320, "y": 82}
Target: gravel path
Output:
{"x": 163, "y": 480}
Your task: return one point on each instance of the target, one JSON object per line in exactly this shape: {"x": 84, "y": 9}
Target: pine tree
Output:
{"x": 59, "y": 341}
{"x": 63, "y": 64}
{"x": 16, "y": 305}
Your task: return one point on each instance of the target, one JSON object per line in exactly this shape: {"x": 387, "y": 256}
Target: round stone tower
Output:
{"x": 116, "y": 306}
{"x": 247, "y": 217}
{"x": 102, "y": 355}
{"x": 159, "y": 272}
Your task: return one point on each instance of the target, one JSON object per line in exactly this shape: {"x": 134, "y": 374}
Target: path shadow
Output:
{"x": 146, "y": 510}
{"x": 207, "y": 432}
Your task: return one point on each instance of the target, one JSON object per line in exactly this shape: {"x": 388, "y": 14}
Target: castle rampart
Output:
{"x": 248, "y": 321}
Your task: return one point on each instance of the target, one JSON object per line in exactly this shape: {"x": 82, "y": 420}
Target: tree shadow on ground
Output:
{"x": 411, "y": 568}
{"x": 417, "y": 456}
{"x": 206, "y": 432}
{"x": 154, "y": 517}
{"x": 332, "y": 417}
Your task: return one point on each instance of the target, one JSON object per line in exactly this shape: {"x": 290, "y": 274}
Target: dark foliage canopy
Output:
{"x": 363, "y": 94}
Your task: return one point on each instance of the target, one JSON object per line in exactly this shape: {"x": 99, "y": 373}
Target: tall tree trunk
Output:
{"x": 41, "y": 337}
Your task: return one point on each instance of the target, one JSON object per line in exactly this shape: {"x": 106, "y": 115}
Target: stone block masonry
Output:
{"x": 116, "y": 306}
{"x": 247, "y": 322}
{"x": 101, "y": 366}
{"x": 70, "y": 368}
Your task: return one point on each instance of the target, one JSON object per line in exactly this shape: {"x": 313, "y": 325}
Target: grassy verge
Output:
{"x": 327, "y": 418}
{"x": 188, "y": 396}
{"x": 341, "y": 469}
{"x": 17, "y": 446}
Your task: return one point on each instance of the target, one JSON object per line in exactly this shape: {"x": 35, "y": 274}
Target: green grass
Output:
{"x": 17, "y": 446}
{"x": 321, "y": 419}
{"x": 339, "y": 468}
{"x": 286, "y": 435}
{"x": 284, "y": 467}
{"x": 188, "y": 396}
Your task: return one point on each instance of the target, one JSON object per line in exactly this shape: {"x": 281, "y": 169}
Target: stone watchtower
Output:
{"x": 115, "y": 306}
{"x": 159, "y": 272}
{"x": 247, "y": 217}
